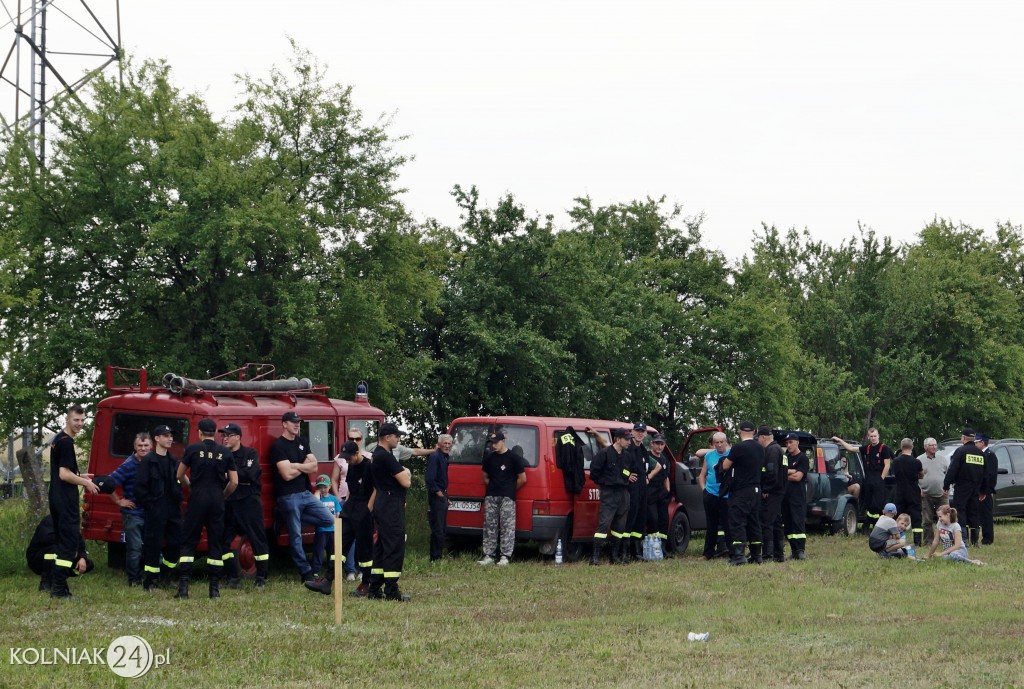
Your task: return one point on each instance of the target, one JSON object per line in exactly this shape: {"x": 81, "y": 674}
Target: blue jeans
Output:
{"x": 297, "y": 509}
{"x": 133, "y": 541}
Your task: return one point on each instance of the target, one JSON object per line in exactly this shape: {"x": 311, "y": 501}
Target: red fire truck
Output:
{"x": 250, "y": 397}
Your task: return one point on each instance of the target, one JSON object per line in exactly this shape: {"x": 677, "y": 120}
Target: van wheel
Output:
{"x": 847, "y": 524}
{"x": 679, "y": 533}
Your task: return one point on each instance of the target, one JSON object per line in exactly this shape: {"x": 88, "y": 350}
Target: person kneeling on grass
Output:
{"x": 951, "y": 537}
{"x": 885, "y": 536}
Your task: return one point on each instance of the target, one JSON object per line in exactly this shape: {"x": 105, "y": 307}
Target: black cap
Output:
{"x": 969, "y": 432}
{"x": 231, "y": 429}
{"x": 747, "y": 426}
{"x": 639, "y": 426}
{"x": 104, "y": 483}
{"x": 495, "y": 437}
{"x": 620, "y": 433}
{"x": 764, "y": 430}
{"x": 793, "y": 436}
{"x": 389, "y": 429}
{"x": 291, "y": 416}
{"x": 657, "y": 438}
{"x": 162, "y": 430}
{"x": 207, "y": 426}
{"x": 349, "y": 450}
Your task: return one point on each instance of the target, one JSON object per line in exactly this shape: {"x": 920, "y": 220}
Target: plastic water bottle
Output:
{"x": 698, "y": 636}
{"x": 558, "y": 552}
{"x": 648, "y": 555}
{"x": 656, "y": 548}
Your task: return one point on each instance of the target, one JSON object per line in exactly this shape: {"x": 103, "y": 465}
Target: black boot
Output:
{"x": 666, "y": 552}
{"x": 392, "y": 592}
{"x": 46, "y": 580}
{"x": 917, "y": 539}
{"x": 234, "y": 572}
{"x": 620, "y": 551}
{"x": 780, "y": 551}
{"x": 637, "y": 548}
{"x": 261, "y": 573}
{"x": 214, "y": 586}
{"x": 595, "y": 555}
{"x": 755, "y": 554}
{"x": 737, "y": 557}
{"x": 373, "y": 592}
{"x": 799, "y": 554}
{"x": 150, "y": 582}
{"x": 182, "y": 593}
{"x": 59, "y": 583}
{"x": 975, "y": 533}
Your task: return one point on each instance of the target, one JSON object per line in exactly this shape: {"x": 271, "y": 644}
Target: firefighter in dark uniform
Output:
{"x": 387, "y": 504}
{"x": 743, "y": 469}
{"x": 611, "y": 469}
{"x": 636, "y": 519}
{"x": 967, "y": 472}
{"x": 158, "y": 491}
{"x": 243, "y": 510}
{"x": 64, "y": 500}
{"x": 794, "y": 503}
{"x": 988, "y": 526}
{"x": 877, "y": 464}
{"x": 773, "y": 488}
{"x": 356, "y": 522}
{"x": 658, "y": 492}
{"x": 42, "y": 551}
{"x": 212, "y": 478}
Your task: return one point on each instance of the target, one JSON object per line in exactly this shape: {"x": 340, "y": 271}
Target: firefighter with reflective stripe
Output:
{"x": 967, "y": 472}
{"x": 243, "y": 510}
{"x": 877, "y": 465}
{"x": 612, "y": 470}
{"x": 636, "y": 519}
{"x": 159, "y": 492}
{"x": 658, "y": 463}
{"x": 212, "y": 478}
{"x": 42, "y": 552}
{"x": 773, "y": 488}
{"x": 64, "y": 500}
{"x": 356, "y": 522}
{"x": 794, "y": 504}
{"x": 741, "y": 471}
{"x": 387, "y": 504}
{"x": 988, "y": 531}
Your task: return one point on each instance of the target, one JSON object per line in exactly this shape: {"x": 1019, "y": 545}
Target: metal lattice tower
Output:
{"x": 57, "y": 46}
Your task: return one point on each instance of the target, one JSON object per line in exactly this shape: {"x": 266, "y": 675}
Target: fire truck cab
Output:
{"x": 248, "y": 396}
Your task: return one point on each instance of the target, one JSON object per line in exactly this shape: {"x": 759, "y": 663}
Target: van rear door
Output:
{"x": 588, "y": 501}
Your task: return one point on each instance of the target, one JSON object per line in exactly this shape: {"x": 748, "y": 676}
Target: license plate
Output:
{"x": 464, "y": 506}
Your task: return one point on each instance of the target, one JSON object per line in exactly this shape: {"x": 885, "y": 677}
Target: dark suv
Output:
{"x": 1010, "y": 484}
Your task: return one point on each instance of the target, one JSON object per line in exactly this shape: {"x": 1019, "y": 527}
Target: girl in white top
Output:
{"x": 951, "y": 537}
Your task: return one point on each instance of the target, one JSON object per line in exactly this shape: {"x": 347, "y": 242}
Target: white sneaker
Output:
{"x": 350, "y": 576}
{"x": 503, "y": 561}
{"x": 488, "y": 560}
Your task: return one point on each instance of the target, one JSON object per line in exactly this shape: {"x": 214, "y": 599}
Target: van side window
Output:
{"x": 468, "y": 443}
{"x": 320, "y": 434}
{"x": 523, "y": 441}
{"x": 125, "y": 426}
{"x": 590, "y": 445}
{"x": 367, "y": 428}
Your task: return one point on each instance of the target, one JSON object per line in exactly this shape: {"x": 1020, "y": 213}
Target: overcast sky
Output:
{"x": 807, "y": 114}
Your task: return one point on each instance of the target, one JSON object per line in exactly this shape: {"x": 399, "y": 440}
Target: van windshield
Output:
{"x": 470, "y": 440}
{"x": 126, "y": 426}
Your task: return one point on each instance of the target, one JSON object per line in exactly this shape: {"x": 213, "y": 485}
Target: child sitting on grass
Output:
{"x": 951, "y": 537}
{"x": 885, "y": 537}
{"x": 903, "y": 523}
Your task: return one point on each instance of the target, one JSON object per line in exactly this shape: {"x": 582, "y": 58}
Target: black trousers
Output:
{"x": 389, "y": 550}
{"x": 716, "y": 510}
{"x": 988, "y": 523}
{"x": 872, "y": 495}
{"x": 205, "y": 509}
{"x": 911, "y": 505}
{"x": 612, "y": 513}
{"x": 968, "y": 509}
{"x": 437, "y": 517}
{"x": 745, "y": 516}
{"x": 636, "y": 519}
{"x": 357, "y": 527}
{"x": 162, "y": 521}
{"x": 657, "y": 513}
{"x": 244, "y": 517}
{"x": 794, "y": 515}
{"x": 772, "y": 533}
{"x": 67, "y": 529}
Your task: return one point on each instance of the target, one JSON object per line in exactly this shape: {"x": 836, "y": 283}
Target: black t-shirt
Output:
{"x": 638, "y": 463}
{"x": 797, "y": 462}
{"x": 610, "y": 468}
{"x": 874, "y": 458}
{"x": 209, "y": 463}
{"x": 747, "y": 461}
{"x": 383, "y": 469}
{"x": 906, "y": 469}
{"x": 62, "y": 454}
{"x": 656, "y": 486}
{"x": 360, "y": 483}
{"x": 502, "y": 471}
{"x": 247, "y": 464}
{"x": 284, "y": 450}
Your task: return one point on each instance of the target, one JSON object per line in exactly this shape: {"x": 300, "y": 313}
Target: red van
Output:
{"x": 249, "y": 397}
{"x": 545, "y": 511}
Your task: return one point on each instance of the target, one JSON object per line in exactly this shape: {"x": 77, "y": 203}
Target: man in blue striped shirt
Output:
{"x": 132, "y": 515}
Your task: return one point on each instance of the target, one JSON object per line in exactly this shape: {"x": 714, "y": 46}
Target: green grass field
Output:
{"x": 843, "y": 618}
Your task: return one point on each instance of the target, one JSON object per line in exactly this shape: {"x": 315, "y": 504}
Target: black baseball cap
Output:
{"x": 639, "y": 426}
{"x": 764, "y": 430}
{"x": 620, "y": 432}
{"x": 162, "y": 430}
{"x": 389, "y": 429}
{"x": 747, "y": 426}
{"x": 969, "y": 432}
{"x": 207, "y": 426}
{"x": 291, "y": 416}
{"x": 793, "y": 436}
{"x": 495, "y": 437}
{"x": 981, "y": 437}
{"x": 349, "y": 450}
{"x": 105, "y": 483}
{"x": 657, "y": 438}
{"x": 231, "y": 429}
